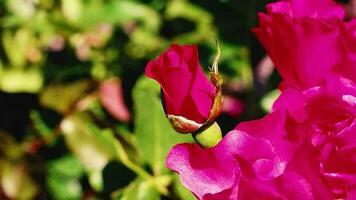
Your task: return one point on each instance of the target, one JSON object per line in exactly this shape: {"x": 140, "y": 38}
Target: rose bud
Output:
{"x": 190, "y": 100}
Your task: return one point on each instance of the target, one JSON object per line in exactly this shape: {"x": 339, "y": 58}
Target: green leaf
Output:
{"x": 92, "y": 146}
{"x": 96, "y": 179}
{"x": 63, "y": 179}
{"x": 205, "y": 30}
{"x": 61, "y": 97}
{"x": 23, "y": 9}
{"x": 63, "y": 188}
{"x": 68, "y": 166}
{"x": 155, "y": 136}
{"x": 119, "y": 12}
{"x": 14, "y": 46}
{"x": 40, "y": 125}
{"x": 71, "y": 9}
{"x": 14, "y": 80}
{"x": 16, "y": 182}
{"x": 139, "y": 190}
{"x": 9, "y": 147}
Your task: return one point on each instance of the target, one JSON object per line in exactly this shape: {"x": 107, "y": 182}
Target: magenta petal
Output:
{"x": 351, "y": 194}
{"x": 294, "y": 186}
{"x": 243, "y": 148}
{"x": 293, "y": 101}
{"x": 289, "y": 185}
{"x": 208, "y": 173}
{"x": 339, "y": 85}
{"x": 271, "y": 130}
{"x": 256, "y": 189}
{"x": 306, "y": 162}
{"x": 308, "y": 8}
{"x": 350, "y": 37}
{"x": 346, "y": 139}
{"x": 339, "y": 171}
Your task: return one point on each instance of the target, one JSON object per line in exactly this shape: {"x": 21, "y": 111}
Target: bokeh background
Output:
{"x": 78, "y": 120}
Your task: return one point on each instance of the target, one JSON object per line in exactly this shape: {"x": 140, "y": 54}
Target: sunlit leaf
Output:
{"x": 119, "y": 12}
{"x": 96, "y": 179}
{"x": 205, "y": 31}
{"x": 60, "y": 97}
{"x": 20, "y": 80}
{"x": 71, "y": 9}
{"x": 24, "y": 9}
{"x": 92, "y": 146}
{"x": 16, "y": 182}
{"x": 15, "y": 46}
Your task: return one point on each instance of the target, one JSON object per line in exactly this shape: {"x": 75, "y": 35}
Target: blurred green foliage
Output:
{"x": 61, "y": 51}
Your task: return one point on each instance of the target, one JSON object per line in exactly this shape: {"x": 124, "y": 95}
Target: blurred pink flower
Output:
{"x": 232, "y": 106}
{"x": 264, "y": 70}
{"x": 304, "y": 39}
{"x": 112, "y": 98}
{"x": 186, "y": 89}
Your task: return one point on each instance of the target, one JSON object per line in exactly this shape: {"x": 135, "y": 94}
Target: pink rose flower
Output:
{"x": 329, "y": 111}
{"x": 304, "y": 39}
{"x": 187, "y": 92}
